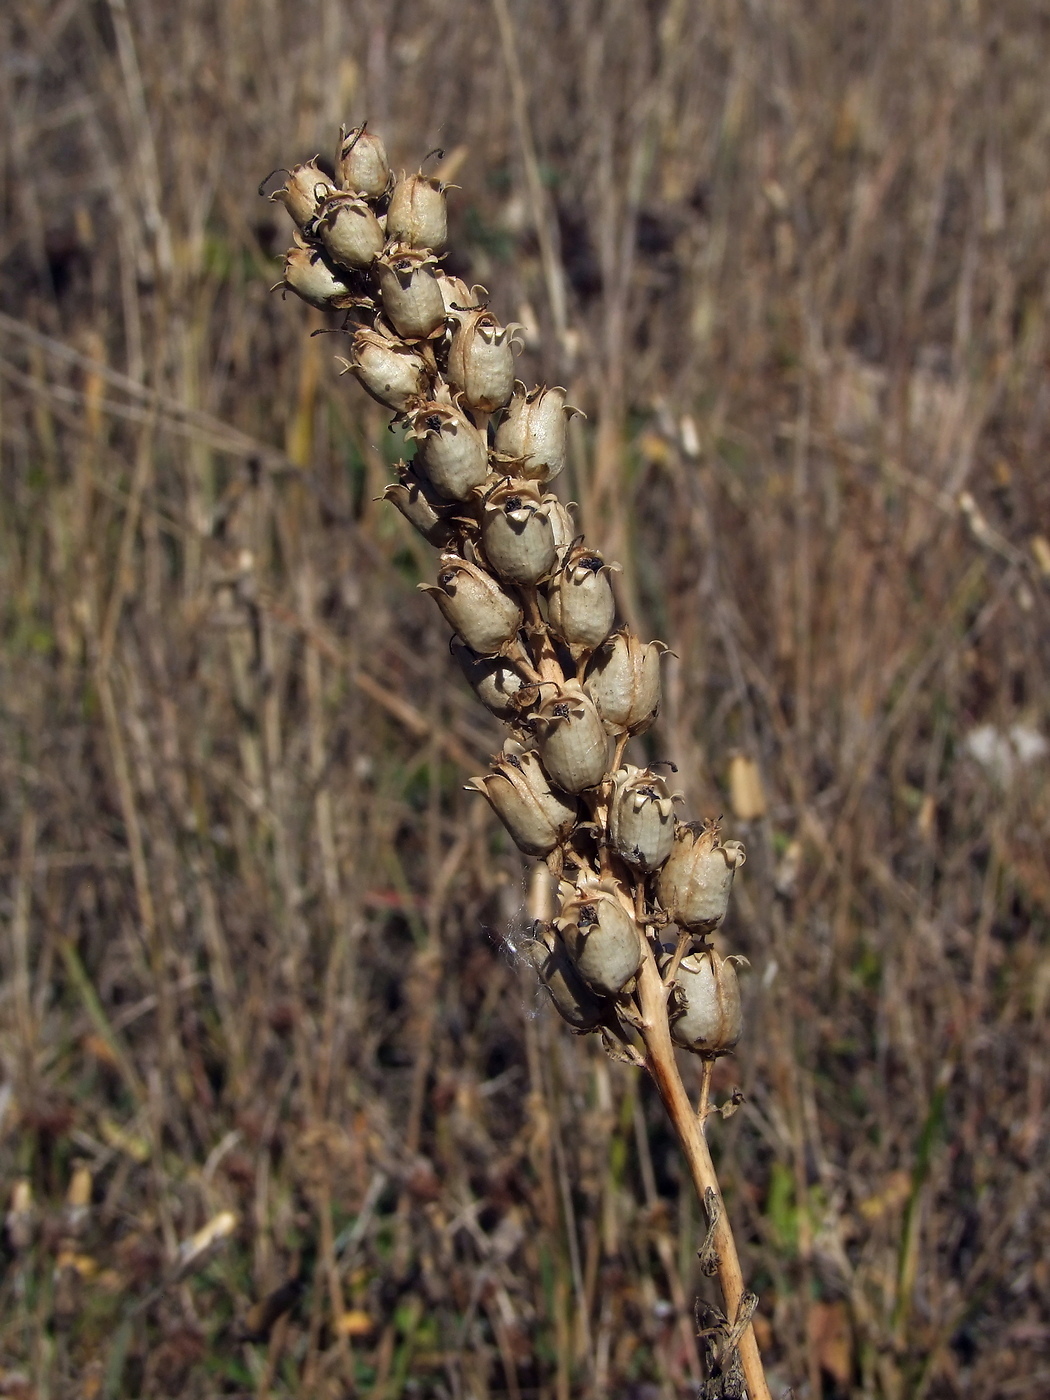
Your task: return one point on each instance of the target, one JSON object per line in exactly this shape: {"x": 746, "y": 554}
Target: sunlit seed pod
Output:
{"x": 304, "y": 192}
{"x": 602, "y": 938}
{"x": 534, "y": 431}
{"x": 350, "y": 231}
{"x": 457, "y": 296}
{"x": 409, "y": 292}
{"x": 474, "y": 605}
{"x": 451, "y": 452}
{"x": 563, "y": 527}
{"x": 421, "y": 506}
{"x": 641, "y": 818}
{"x": 581, "y": 608}
{"x": 695, "y": 881}
{"x": 389, "y": 370}
{"x": 708, "y": 1017}
{"x": 362, "y": 166}
{"x": 481, "y": 360}
{"x": 516, "y": 534}
{"x": 493, "y": 681}
{"x": 417, "y": 215}
{"x": 572, "y": 741}
{"x": 536, "y": 817}
{"x": 623, "y": 680}
{"x": 309, "y": 276}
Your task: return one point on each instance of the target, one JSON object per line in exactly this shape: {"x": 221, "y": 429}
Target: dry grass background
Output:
{"x": 791, "y": 257}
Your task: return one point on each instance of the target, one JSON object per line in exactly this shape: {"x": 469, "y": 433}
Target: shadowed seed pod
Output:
{"x": 518, "y": 791}
{"x": 694, "y": 882}
{"x": 349, "y": 230}
{"x": 580, "y": 604}
{"x": 362, "y": 166}
{"x": 309, "y": 276}
{"x": 516, "y": 533}
{"x": 623, "y": 680}
{"x": 641, "y": 818}
{"x": 421, "y": 506}
{"x": 493, "y": 681}
{"x": 572, "y": 741}
{"x": 534, "y": 431}
{"x": 602, "y": 938}
{"x": 481, "y": 360}
{"x": 410, "y": 293}
{"x": 417, "y": 215}
{"x": 451, "y": 453}
{"x": 389, "y": 370}
{"x": 304, "y": 192}
{"x": 573, "y": 999}
{"x": 708, "y": 1017}
{"x": 474, "y": 605}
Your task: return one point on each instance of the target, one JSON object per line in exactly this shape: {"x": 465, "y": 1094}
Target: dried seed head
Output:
{"x": 516, "y": 533}
{"x": 410, "y": 293}
{"x": 708, "y": 1018}
{"x": 623, "y": 680}
{"x": 481, "y": 360}
{"x": 641, "y": 818}
{"x": 417, "y": 216}
{"x": 309, "y": 276}
{"x": 474, "y": 605}
{"x": 496, "y": 684}
{"x": 520, "y": 795}
{"x": 695, "y": 881}
{"x": 349, "y": 230}
{"x": 452, "y": 453}
{"x": 580, "y": 604}
{"x": 421, "y": 506}
{"x": 362, "y": 166}
{"x": 602, "y": 938}
{"x": 304, "y": 192}
{"x": 573, "y": 999}
{"x": 389, "y": 370}
{"x": 533, "y": 431}
{"x": 572, "y": 741}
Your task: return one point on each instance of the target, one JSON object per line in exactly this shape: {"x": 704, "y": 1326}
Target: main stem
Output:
{"x": 661, "y": 1064}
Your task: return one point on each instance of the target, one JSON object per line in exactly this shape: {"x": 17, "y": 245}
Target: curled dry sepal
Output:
{"x": 532, "y": 605}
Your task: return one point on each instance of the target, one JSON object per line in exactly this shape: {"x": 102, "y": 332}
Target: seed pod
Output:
{"x": 562, "y": 523}
{"x": 421, "y": 506}
{"x": 417, "y": 216}
{"x": 602, "y": 938}
{"x": 533, "y": 431}
{"x": 708, "y": 1018}
{"x": 389, "y": 370}
{"x": 457, "y": 296}
{"x": 452, "y": 453}
{"x": 573, "y": 999}
{"x": 494, "y": 682}
{"x": 516, "y": 534}
{"x": 474, "y": 605}
{"x": 572, "y": 742}
{"x": 623, "y": 680}
{"x": 349, "y": 231}
{"x": 641, "y": 818}
{"x": 520, "y": 795}
{"x": 308, "y": 275}
{"x": 410, "y": 293}
{"x": 361, "y": 165}
{"x": 580, "y": 604}
{"x": 304, "y": 192}
{"x": 694, "y": 883}
{"x": 481, "y": 360}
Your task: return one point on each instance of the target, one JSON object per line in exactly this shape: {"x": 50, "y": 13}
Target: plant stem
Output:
{"x": 660, "y": 1062}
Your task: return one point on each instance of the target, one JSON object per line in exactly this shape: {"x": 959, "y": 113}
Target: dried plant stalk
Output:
{"x": 534, "y": 614}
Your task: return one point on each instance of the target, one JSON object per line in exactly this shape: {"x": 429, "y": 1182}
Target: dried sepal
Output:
{"x": 641, "y": 818}
{"x": 361, "y": 165}
{"x": 304, "y": 192}
{"x": 705, "y": 1010}
{"x": 623, "y": 680}
{"x": 481, "y": 360}
{"x": 417, "y": 216}
{"x": 348, "y": 228}
{"x": 534, "y": 431}
{"x": 451, "y": 452}
{"x": 421, "y": 506}
{"x": 516, "y": 532}
{"x": 410, "y": 292}
{"x": 602, "y": 938}
{"x": 572, "y": 740}
{"x": 474, "y": 605}
{"x": 581, "y": 608}
{"x": 517, "y": 789}
{"x": 390, "y": 371}
{"x": 695, "y": 881}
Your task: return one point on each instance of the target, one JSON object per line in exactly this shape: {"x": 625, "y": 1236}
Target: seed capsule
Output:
{"x": 641, "y": 818}
{"x": 421, "y": 506}
{"x": 362, "y": 166}
{"x": 481, "y": 360}
{"x": 695, "y": 881}
{"x": 410, "y": 293}
{"x": 520, "y": 795}
{"x": 417, "y": 215}
{"x": 452, "y": 452}
{"x": 308, "y": 275}
{"x": 304, "y": 192}
{"x": 580, "y": 603}
{"x": 709, "y": 1017}
{"x": 457, "y": 296}
{"x": 601, "y": 936}
{"x": 562, "y": 524}
{"x": 349, "y": 231}
{"x": 623, "y": 680}
{"x": 516, "y": 534}
{"x": 474, "y": 605}
{"x": 573, "y": 999}
{"x": 572, "y": 742}
{"x": 533, "y": 431}
{"x": 494, "y": 682}
{"x": 389, "y": 370}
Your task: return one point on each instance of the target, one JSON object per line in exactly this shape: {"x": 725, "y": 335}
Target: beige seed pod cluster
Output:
{"x": 531, "y": 604}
